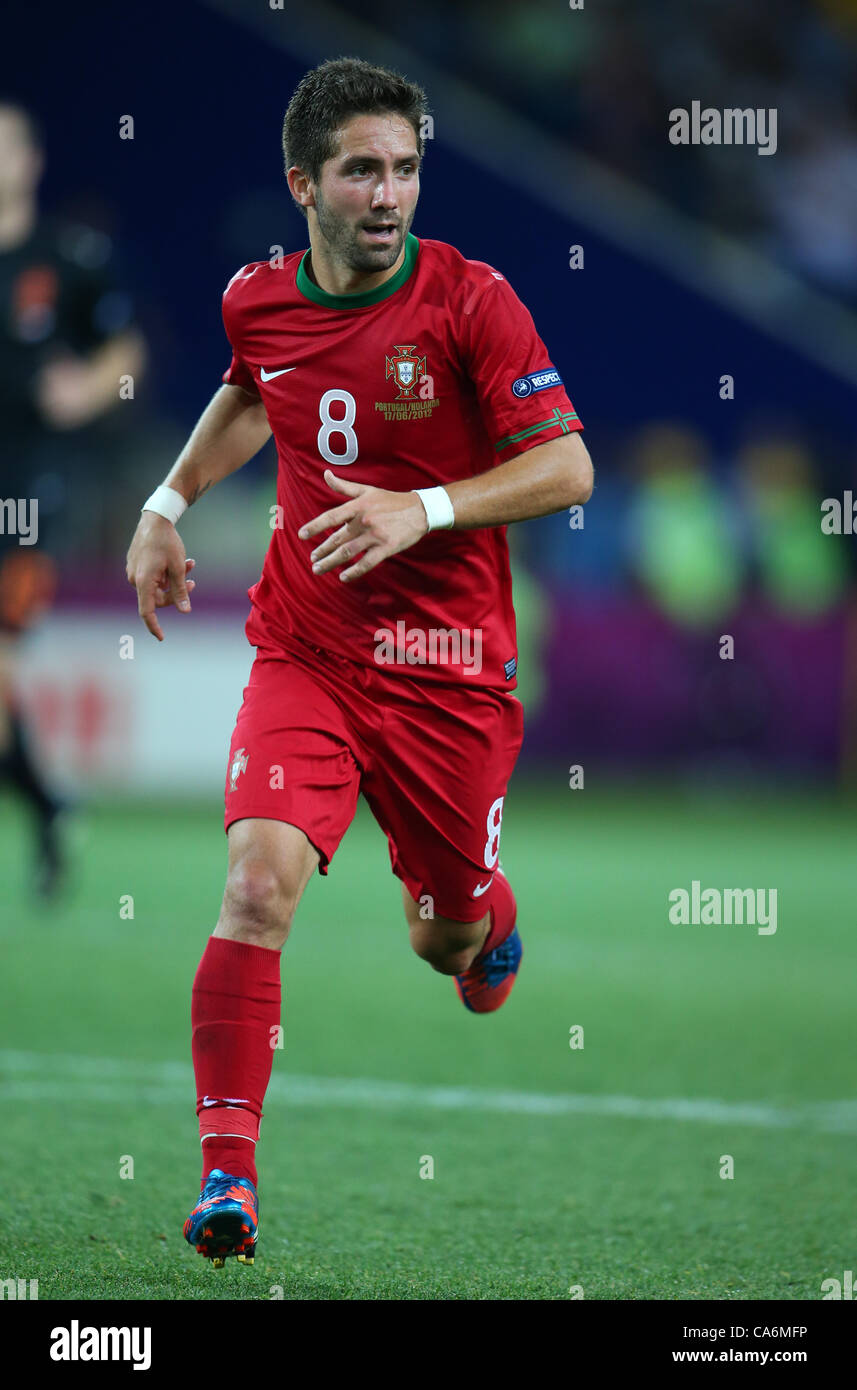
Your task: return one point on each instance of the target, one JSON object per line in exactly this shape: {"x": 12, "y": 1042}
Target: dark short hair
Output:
{"x": 330, "y": 95}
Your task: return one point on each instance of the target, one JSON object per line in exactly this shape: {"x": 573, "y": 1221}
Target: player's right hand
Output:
{"x": 157, "y": 567}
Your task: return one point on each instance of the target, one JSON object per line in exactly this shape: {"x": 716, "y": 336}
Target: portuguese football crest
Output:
{"x": 406, "y": 369}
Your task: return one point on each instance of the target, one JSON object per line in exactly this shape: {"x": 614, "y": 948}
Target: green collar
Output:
{"x": 360, "y": 301}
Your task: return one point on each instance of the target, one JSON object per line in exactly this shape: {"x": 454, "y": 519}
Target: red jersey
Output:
{"x": 436, "y": 375}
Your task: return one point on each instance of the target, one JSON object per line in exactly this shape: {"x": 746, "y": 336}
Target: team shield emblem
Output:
{"x": 406, "y": 368}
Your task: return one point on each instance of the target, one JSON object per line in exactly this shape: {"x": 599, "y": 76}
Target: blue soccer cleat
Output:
{"x": 225, "y": 1220}
{"x": 488, "y": 982}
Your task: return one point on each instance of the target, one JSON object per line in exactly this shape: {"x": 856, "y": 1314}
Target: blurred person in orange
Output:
{"x": 66, "y": 339}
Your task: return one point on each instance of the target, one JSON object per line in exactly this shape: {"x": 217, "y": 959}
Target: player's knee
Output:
{"x": 258, "y": 899}
{"x": 448, "y": 947}
{"x": 448, "y": 962}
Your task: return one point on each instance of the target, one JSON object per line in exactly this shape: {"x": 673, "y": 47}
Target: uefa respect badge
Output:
{"x": 536, "y": 381}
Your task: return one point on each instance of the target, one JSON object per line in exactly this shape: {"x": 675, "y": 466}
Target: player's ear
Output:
{"x": 300, "y": 187}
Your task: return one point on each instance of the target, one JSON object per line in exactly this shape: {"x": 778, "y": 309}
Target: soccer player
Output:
{"x": 66, "y": 336}
{"x": 416, "y": 412}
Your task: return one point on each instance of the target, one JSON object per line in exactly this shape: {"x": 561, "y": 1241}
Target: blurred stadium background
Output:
{"x": 550, "y": 133}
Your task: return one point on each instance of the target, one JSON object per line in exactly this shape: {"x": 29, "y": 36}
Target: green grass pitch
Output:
{"x": 523, "y": 1204}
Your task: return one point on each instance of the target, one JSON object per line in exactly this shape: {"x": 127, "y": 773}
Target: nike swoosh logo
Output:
{"x": 481, "y": 888}
{"x": 220, "y": 1100}
{"x": 269, "y": 376}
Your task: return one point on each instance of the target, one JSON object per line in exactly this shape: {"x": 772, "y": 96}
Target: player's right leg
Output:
{"x": 236, "y": 1020}
{"x": 291, "y": 789}
{"x": 270, "y": 865}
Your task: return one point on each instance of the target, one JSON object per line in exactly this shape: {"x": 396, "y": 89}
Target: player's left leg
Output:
{"x": 450, "y": 947}
{"x": 437, "y": 785}
{"x": 483, "y": 956}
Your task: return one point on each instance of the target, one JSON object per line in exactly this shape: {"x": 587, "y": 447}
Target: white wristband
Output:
{"x": 166, "y": 502}
{"x": 439, "y": 508}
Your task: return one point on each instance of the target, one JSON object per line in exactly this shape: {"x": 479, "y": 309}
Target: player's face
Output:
{"x": 367, "y": 194}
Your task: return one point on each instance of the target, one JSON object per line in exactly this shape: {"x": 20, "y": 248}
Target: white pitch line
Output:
{"x": 35, "y": 1076}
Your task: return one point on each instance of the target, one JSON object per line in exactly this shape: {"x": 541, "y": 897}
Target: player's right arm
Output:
{"x": 231, "y": 430}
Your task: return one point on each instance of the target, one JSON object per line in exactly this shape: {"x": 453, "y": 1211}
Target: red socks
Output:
{"x": 235, "y": 1013}
{"x": 503, "y": 910}
{"x": 235, "y": 1016}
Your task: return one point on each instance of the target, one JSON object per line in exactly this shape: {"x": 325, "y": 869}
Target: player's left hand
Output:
{"x": 374, "y": 524}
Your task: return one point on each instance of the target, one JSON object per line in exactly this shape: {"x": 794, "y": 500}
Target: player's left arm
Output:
{"x": 376, "y": 523}
{"x": 547, "y": 478}
{"x": 508, "y": 364}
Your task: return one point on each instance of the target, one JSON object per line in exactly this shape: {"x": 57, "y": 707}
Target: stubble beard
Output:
{"x": 342, "y": 238}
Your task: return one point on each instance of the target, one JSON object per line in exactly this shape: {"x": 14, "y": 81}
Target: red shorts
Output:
{"x": 433, "y": 762}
